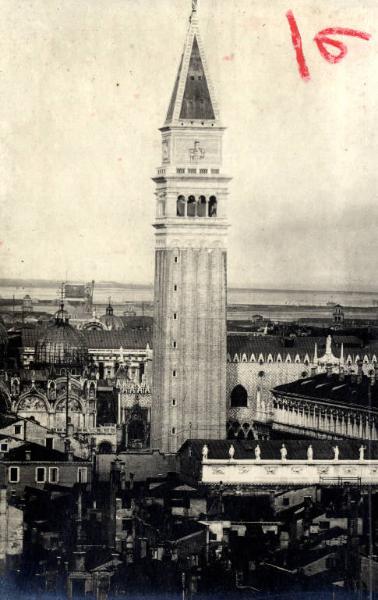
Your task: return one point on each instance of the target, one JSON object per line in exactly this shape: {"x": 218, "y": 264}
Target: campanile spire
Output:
{"x": 189, "y": 367}
{"x": 193, "y": 94}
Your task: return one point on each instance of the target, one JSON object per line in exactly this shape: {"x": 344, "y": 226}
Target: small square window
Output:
{"x": 40, "y": 475}
{"x": 173, "y": 401}
{"x": 174, "y": 372}
{"x": 17, "y": 429}
{"x": 14, "y": 475}
{"x": 175, "y": 315}
{"x": 82, "y": 475}
{"x": 4, "y": 447}
{"x": 285, "y": 501}
{"x": 53, "y": 474}
{"x": 126, "y": 524}
{"x": 173, "y": 430}
{"x": 175, "y": 288}
{"x": 174, "y": 344}
{"x": 176, "y": 259}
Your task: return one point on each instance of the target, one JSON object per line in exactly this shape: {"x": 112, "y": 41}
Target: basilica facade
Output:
{"x": 255, "y": 404}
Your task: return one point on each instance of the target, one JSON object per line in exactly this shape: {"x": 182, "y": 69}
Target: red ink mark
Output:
{"x": 297, "y": 43}
{"x": 322, "y": 38}
{"x": 229, "y": 57}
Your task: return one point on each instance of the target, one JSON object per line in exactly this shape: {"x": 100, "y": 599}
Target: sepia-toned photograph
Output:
{"x": 188, "y": 299}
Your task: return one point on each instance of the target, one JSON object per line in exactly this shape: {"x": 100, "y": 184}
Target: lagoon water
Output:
{"x": 120, "y": 293}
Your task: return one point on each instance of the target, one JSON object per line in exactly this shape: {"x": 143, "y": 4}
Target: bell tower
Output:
{"x": 189, "y": 365}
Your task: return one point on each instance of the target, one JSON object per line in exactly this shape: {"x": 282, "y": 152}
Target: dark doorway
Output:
{"x": 135, "y": 432}
{"x": 105, "y": 448}
{"x": 239, "y": 396}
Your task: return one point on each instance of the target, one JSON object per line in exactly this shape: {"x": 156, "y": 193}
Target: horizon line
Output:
{"x": 35, "y": 281}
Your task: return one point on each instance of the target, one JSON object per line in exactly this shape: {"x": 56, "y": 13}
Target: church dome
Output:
{"x": 60, "y": 344}
{"x": 110, "y": 320}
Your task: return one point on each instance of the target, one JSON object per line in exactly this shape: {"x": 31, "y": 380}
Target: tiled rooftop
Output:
{"x": 349, "y": 390}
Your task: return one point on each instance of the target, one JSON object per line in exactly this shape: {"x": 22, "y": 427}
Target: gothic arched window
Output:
{"x": 201, "y": 206}
{"x": 191, "y": 209}
{"x": 105, "y": 448}
{"x": 181, "y": 206}
{"x": 212, "y": 206}
{"x": 239, "y": 396}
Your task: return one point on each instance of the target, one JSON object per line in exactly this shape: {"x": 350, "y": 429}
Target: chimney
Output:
{"x": 67, "y": 449}
{"x": 123, "y": 477}
{"x": 79, "y": 557}
{"x": 115, "y": 473}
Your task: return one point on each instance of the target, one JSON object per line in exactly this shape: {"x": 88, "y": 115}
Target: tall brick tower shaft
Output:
{"x": 189, "y": 366}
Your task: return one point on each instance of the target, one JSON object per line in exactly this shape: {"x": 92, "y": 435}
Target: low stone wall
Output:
{"x": 142, "y": 464}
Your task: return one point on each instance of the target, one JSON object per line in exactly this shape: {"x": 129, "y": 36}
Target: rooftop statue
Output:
{"x": 283, "y": 452}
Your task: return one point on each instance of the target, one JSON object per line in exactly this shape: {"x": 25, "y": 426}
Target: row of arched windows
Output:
{"x": 200, "y": 207}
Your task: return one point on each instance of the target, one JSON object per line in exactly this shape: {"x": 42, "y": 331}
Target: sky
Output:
{"x": 85, "y": 85}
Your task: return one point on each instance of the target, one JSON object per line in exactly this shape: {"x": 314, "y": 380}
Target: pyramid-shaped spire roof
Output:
{"x": 193, "y": 95}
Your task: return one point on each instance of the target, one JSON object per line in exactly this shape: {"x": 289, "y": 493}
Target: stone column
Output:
{"x": 348, "y": 425}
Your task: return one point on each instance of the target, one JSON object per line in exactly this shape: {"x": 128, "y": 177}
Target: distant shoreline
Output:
{"x": 49, "y": 283}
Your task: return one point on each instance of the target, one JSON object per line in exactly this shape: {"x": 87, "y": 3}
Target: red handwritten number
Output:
{"x": 297, "y": 43}
{"x": 321, "y": 39}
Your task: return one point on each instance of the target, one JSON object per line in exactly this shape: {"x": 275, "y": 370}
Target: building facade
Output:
{"x": 257, "y": 365}
{"x": 189, "y": 374}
